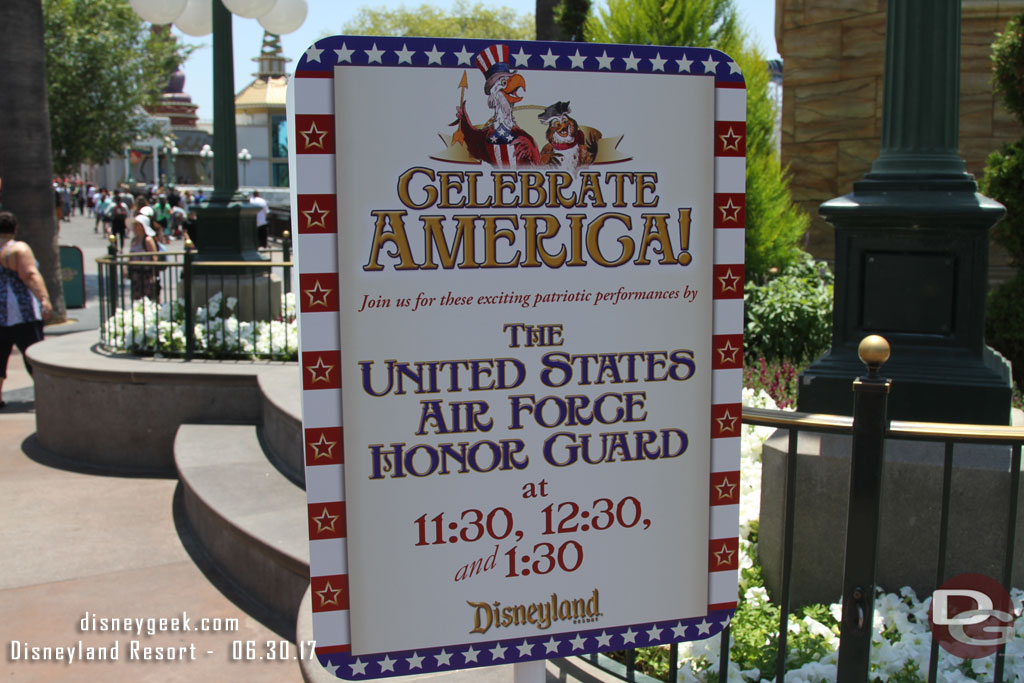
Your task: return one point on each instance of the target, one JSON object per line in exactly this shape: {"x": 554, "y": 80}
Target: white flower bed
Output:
{"x": 901, "y": 642}
{"x": 149, "y": 326}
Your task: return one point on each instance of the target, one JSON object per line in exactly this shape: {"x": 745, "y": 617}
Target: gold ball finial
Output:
{"x": 111, "y": 238}
{"x": 285, "y": 234}
{"x": 873, "y": 351}
{"x": 188, "y": 244}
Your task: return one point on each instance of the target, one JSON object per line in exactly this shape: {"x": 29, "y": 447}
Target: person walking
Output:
{"x": 24, "y": 302}
{"x": 262, "y": 222}
{"x": 119, "y": 214}
{"x": 143, "y": 248}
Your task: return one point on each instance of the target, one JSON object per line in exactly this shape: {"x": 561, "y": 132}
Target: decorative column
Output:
{"x": 912, "y": 244}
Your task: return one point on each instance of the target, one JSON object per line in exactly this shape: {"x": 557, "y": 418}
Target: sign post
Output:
{"x": 521, "y": 291}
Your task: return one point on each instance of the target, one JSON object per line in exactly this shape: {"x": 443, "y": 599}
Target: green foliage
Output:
{"x": 790, "y": 315}
{"x": 571, "y": 16}
{"x": 1008, "y": 66}
{"x": 1004, "y": 323}
{"x": 464, "y": 20}
{"x": 774, "y": 224}
{"x": 777, "y": 377}
{"x": 667, "y": 22}
{"x": 1004, "y": 182}
{"x": 103, "y": 65}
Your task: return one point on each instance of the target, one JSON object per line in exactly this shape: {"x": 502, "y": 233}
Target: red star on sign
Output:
{"x": 320, "y": 370}
{"x": 327, "y": 520}
{"x": 316, "y": 214}
{"x": 331, "y": 592}
{"x": 728, "y": 351}
{"x": 320, "y": 292}
{"x": 318, "y": 295}
{"x": 725, "y": 420}
{"x": 320, "y": 446}
{"x": 723, "y": 556}
{"x": 730, "y": 138}
{"x": 728, "y": 281}
{"x": 315, "y": 133}
{"x": 724, "y": 488}
{"x": 730, "y": 212}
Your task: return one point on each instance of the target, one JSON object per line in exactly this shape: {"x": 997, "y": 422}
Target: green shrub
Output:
{"x": 1004, "y": 181}
{"x": 790, "y": 315}
{"x": 1004, "y": 323}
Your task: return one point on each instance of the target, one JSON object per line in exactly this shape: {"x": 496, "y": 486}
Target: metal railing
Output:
{"x": 868, "y": 432}
{"x": 170, "y": 304}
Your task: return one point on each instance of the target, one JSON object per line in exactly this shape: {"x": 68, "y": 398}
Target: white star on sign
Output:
{"x": 415, "y": 662}
{"x": 550, "y": 59}
{"x": 434, "y": 56}
{"x": 653, "y": 634}
{"x": 463, "y": 55}
{"x": 578, "y": 642}
{"x": 631, "y": 62}
{"x": 604, "y": 640}
{"x": 710, "y": 65}
{"x": 525, "y": 650}
{"x": 684, "y": 64}
{"x": 577, "y": 60}
{"x": 522, "y": 59}
{"x": 374, "y": 55}
{"x": 443, "y": 658}
{"x": 497, "y": 652}
{"x": 387, "y": 664}
{"x": 703, "y": 628}
{"x": 551, "y": 646}
{"x": 679, "y": 631}
{"x": 470, "y": 655}
{"x": 734, "y": 68}
{"x": 344, "y": 54}
{"x": 358, "y": 668}
{"x": 658, "y": 63}
{"x": 331, "y": 668}
{"x": 404, "y": 55}
{"x": 313, "y": 54}
{"x": 604, "y": 61}
{"x": 629, "y": 636}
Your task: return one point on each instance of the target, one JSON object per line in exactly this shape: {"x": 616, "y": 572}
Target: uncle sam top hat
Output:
{"x": 493, "y": 64}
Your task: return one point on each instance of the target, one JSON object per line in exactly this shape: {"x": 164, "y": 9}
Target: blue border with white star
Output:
{"x": 327, "y": 53}
{"x": 498, "y": 652}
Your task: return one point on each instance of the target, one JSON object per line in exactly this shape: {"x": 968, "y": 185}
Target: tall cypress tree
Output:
{"x": 774, "y": 224}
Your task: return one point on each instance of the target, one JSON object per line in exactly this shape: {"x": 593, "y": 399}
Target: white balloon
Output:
{"x": 158, "y": 11}
{"x": 250, "y": 9}
{"x": 285, "y": 17}
{"x": 196, "y": 19}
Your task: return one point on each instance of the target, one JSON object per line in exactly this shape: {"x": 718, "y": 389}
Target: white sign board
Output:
{"x": 521, "y": 274}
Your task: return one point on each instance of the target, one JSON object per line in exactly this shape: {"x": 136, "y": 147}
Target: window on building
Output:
{"x": 281, "y": 174}
{"x": 279, "y": 137}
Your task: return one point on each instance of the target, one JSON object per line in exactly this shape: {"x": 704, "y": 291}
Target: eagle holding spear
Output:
{"x": 501, "y": 142}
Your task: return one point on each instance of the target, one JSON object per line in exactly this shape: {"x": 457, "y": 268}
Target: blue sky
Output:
{"x": 327, "y": 16}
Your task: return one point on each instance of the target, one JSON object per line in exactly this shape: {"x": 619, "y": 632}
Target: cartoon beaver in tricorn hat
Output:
{"x": 567, "y": 148}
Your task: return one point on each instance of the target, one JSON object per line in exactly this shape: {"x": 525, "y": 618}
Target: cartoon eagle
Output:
{"x": 567, "y": 147}
{"x": 501, "y": 142}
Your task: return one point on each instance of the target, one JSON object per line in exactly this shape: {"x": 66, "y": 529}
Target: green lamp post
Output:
{"x": 912, "y": 244}
{"x": 227, "y": 222}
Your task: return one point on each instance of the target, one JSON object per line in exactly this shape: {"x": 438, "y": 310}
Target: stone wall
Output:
{"x": 834, "y": 55}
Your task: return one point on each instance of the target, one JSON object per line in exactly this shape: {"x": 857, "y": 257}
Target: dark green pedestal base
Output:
{"x": 928, "y": 385}
{"x": 912, "y": 266}
{"x": 226, "y": 231}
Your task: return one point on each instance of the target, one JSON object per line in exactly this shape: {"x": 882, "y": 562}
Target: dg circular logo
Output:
{"x": 971, "y": 615}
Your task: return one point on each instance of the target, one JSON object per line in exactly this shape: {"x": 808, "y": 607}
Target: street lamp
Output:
{"x": 245, "y": 157}
{"x": 171, "y": 151}
{"x": 207, "y": 154}
{"x": 227, "y": 221}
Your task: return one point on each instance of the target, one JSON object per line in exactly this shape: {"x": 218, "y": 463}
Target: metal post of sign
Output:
{"x": 530, "y": 672}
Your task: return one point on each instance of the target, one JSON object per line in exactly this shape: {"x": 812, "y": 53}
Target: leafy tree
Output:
{"x": 465, "y": 20}
{"x": 103, "y": 66}
{"x": 774, "y": 224}
{"x": 25, "y": 166}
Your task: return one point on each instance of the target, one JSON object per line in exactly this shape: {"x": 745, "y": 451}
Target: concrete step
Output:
{"x": 250, "y": 519}
{"x": 281, "y": 426}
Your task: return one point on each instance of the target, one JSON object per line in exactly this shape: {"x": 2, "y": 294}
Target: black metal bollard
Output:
{"x": 870, "y": 424}
{"x": 286, "y": 256}
{"x": 190, "y": 313}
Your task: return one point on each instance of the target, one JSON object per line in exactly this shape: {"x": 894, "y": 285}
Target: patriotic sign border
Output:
{"x": 316, "y": 250}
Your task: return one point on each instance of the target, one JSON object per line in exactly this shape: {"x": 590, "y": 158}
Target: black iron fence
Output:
{"x": 170, "y": 304}
{"x": 868, "y": 434}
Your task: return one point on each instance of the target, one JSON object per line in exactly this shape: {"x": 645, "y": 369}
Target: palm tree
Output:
{"x": 25, "y": 163}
